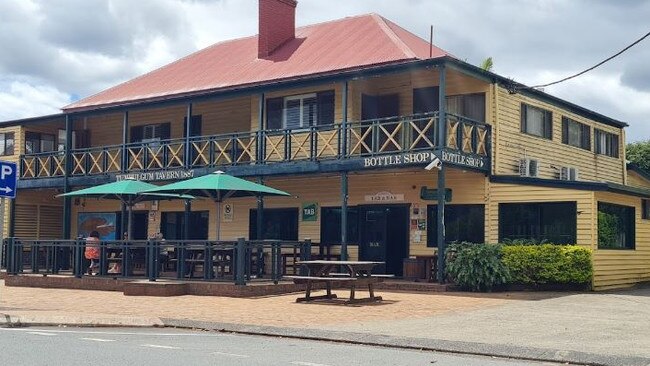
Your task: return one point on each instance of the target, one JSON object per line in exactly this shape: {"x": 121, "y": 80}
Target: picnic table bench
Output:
{"x": 357, "y": 273}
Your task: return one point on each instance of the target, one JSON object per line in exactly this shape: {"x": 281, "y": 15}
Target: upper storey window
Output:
{"x": 151, "y": 132}
{"x": 472, "y": 106}
{"x": 606, "y": 143}
{"x": 36, "y": 142}
{"x": 7, "y": 143}
{"x": 300, "y": 111}
{"x": 536, "y": 121}
{"x": 576, "y": 134}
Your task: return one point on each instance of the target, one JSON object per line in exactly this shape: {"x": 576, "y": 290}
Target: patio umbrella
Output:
{"x": 127, "y": 191}
{"x": 218, "y": 186}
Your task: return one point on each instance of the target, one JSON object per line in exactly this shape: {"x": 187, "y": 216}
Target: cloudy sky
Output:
{"x": 53, "y": 52}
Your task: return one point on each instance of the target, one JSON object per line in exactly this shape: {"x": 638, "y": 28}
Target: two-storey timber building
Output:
{"x": 344, "y": 115}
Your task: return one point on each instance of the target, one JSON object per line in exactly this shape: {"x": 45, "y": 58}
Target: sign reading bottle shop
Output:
{"x": 446, "y": 156}
{"x": 159, "y": 175}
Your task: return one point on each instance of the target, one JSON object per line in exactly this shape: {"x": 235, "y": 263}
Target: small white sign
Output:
{"x": 228, "y": 212}
{"x": 384, "y": 196}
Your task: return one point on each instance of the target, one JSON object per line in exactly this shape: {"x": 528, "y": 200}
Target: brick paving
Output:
{"x": 273, "y": 310}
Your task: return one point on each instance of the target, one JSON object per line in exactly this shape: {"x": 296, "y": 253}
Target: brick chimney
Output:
{"x": 277, "y": 25}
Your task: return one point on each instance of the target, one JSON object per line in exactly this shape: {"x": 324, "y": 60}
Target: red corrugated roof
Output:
{"x": 321, "y": 48}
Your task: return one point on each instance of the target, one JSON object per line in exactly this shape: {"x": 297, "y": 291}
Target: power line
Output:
{"x": 587, "y": 70}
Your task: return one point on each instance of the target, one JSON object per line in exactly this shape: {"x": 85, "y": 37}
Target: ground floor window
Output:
{"x": 615, "y": 226}
{"x": 462, "y": 223}
{"x": 330, "y": 225}
{"x": 279, "y": 223}
{"x": 172, "y": 225}
{"x": 553, "y": 222}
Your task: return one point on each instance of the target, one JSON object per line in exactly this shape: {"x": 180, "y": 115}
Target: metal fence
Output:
{"x": 233, "y": 261}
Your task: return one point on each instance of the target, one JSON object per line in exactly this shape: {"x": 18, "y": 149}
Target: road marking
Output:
{"x": 42, "y": 333}
{"x": 229, "y": 354}
{"x": 158, "y": 346}
{"x": 98, "y": 339}
{"x": 308, "y": 363}
{"x": 53, "y": 332}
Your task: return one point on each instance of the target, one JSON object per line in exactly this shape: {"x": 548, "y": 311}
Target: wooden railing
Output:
{"x": 237, "y": 261}
{"x": 318, "y": 143}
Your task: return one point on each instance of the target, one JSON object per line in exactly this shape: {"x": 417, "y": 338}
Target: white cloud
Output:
{"x": 22, "y": 100}
{"x": 75, "y": 48}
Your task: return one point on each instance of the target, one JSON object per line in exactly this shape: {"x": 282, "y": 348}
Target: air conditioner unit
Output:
{"x": 568, "y": 173}
{"x": 528, "y": 168}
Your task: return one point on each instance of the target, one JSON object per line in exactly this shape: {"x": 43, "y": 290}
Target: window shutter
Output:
{"x": 165, "y": 131}
{"x": 548, "y": 125}
{"x": 565, "y": 130}
{"x": 274, "y": 113}
{"x": 325, "y": 108}
{"x": 524, "y": 108}
{"x": 426, "y": 100}
{"x": 136, "y": 133}
{"x": 644, "y": 209}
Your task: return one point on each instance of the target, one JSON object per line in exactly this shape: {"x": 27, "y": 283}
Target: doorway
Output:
{"x": 384, "y": 236}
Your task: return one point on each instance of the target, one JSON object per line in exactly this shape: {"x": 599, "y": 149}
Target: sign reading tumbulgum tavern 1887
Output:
{"x": 446, "y": 156}
{"x": 155, "y": 176}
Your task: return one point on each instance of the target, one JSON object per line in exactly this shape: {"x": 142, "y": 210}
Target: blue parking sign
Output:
{"x": 8, "y": 176}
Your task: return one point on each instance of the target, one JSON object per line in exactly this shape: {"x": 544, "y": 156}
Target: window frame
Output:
{"x": 611, "y": 142}
{"x": 630, "y": 234}
{"x": 547, "y": 118}
{"x": 3, "y": 143}
{"x": 37, "y": 137}
{"x": 353, "y": 225}
{"x": 539, "y": 216}
{"x": 426, "y": 100}
{"x": 645, "y": 209}
{"x": 301, "y": 98}
{"x": 585, "y": 133}
{"x": 464, "y": 212}
{"x": 62, "y": 136}
{"x": 292, "y": 229}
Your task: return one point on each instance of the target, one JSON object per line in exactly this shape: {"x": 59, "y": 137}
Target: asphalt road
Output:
{"x": 161, "y": 347}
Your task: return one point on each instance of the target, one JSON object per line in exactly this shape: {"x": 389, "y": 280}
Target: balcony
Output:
{"x": 353, "y": 142}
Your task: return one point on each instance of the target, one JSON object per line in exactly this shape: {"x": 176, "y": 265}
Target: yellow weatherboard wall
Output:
{"x": 615, "y": 268}
{"x": 511, "y": 144}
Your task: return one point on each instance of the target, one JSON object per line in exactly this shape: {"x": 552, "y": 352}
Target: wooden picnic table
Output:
{"x": 355, "y": 273}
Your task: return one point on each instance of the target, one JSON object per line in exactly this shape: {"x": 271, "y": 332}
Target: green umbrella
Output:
{"x": 128, "y": 191}
{"x": 219, "y": 186}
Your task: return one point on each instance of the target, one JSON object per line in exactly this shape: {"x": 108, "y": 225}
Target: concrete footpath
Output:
{"x": 587, "y": 328}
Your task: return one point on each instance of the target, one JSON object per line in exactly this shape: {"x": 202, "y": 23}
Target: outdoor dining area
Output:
{"x": 235, "y": 261}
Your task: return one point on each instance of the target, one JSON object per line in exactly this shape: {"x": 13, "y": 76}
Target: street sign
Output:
{"x": 8, "y": 176}
{"x": 432, "y": 194}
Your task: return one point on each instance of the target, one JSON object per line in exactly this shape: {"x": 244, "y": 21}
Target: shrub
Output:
{"x": 524, "y": 241}
{"x": 476, "y": 267}
{"x": 548, "y": 264}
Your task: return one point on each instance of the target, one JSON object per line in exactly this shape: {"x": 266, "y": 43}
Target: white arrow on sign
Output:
{"x": 6, "y": 189}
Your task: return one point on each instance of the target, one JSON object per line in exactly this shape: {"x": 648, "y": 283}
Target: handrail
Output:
{"x": 238, "y": 261}
{"x": 398, "y": 134}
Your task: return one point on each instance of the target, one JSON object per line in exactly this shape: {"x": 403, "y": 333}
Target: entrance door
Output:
{"x": 384, "y": 236}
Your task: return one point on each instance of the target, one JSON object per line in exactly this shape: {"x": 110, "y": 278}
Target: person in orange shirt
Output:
{"x": 92, "y": 251}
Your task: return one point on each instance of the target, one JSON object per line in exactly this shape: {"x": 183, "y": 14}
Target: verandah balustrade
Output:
{"x": 317, "y": 143}
{"x": 236, "y": 261}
